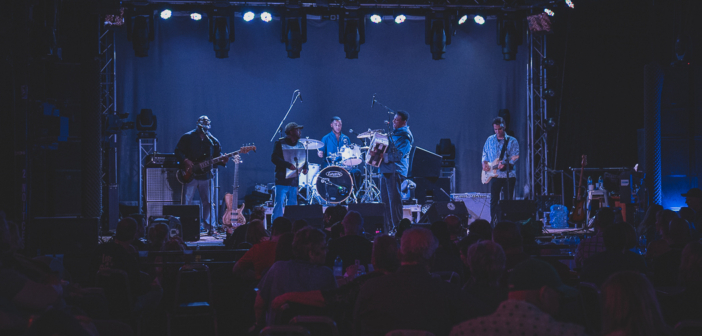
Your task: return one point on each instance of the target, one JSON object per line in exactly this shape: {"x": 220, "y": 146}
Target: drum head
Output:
{"x": 351, "y": 155}
{"x": 313, "y": 169}
{"x": 333, "y": 184}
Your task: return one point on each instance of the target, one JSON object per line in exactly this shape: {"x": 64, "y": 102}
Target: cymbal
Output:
{"x": 311, "y": 143}
{"x": 365, "y": 148}
{"x": 369, "y": 134}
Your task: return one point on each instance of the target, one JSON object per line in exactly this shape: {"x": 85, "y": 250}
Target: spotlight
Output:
{"x": 266, "y": 17}
{"x": 479, "y": 20}
{"x": 549, "y": 12}
{"x": 509, "y": 36}
{"x": 548, "y": 63}
{"x": 437, "y": 33}
{"x": 352, "y": 32}
{"x": 221, "y": 29}
{"x": 166, "y": 14}
{"x": 294, "y": 31}
{"x": 248, "y": 16}
{"x": 570, "y": 3}
{"x": 549, "y": 93}
{"x": 549, "y": 125}
{"x": 375, "y": 18}
{"x": 196, "y": 16}
{"x": 463, "y": 19}
{"x": 400, "y": 18}
{"x": 140, "y": 30}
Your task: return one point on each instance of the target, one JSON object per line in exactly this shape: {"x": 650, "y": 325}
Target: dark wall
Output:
{"x": 247, "y": 94}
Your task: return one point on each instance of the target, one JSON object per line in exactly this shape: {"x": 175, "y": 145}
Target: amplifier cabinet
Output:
{"x": 478, "y": 205}
{"x": 162, "y": 185}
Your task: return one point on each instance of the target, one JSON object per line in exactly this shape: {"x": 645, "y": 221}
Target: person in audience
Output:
{"x": 675, "y": 234}
{"x": 340, "y": 302}
{"x": 261, "y": 256}
{"x": 693, "y": 199}
{"x": 613, "y": 259}
{"x": 630, "y": 308}
{"x": 486, "y": 261}
{"x": 446, "y": 258}
{"x": 534, "y": 297}
{"x": 334, "y": 214}
{"x": 595, "y": 244}
{"x": 410, "y": 298}
{"x": 299, "y": 224}
{"x": 510, "y": 239}
{"x": 686, "y": 305}
{"x": 304, "y": 273}
{"x": 405, "y": 224}
{"x": 158, "y": 235}
{"x": 689, "y": 215}
{"x": 138, "y": 244}
{"x": 667, "y": 264}
{"x": 455, "y": 228}
{"x": 647, "y": 227}
{"x": 657, "y": 245}
{"x": 479, "y": 230}
{"x": 352, "y": 245}
{"x": 238, "y": 237}
{"x": 336, "y": 231}
{"x": 284, "y": 249}
{"x": 255, "y": 233}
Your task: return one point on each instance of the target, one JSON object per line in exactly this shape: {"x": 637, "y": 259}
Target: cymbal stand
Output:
{"x": 371, "y": 192}
{"x": 309, "y": 198}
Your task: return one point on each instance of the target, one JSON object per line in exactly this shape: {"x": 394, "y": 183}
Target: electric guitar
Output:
{"x": 233, "y": 217}
{"x": 579, "y": 213}
{"x": 486, "y": 176}
{"x": 199, "y": 168}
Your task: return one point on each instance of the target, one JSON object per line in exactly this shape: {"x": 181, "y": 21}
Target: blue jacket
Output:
{"x": 403, "y": 140}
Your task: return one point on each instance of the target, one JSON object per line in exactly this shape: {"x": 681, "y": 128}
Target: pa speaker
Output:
{"x": 425, "y": 163}
{"x": 516, "y": 210}
{"x": 311, "y": 213}
{"x": 189, "y": 219}
{"x": 439, "y": 210}
{"x": 373, "y": 218}
{"x": 434, "y": 189}
{"x": 62, "y": 235}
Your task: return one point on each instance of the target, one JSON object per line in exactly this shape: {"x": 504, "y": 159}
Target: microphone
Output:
{"x": 299, "y": 95}
{"x": 387, "y": 122}
{"x": 373, "y": 101}
{"x": 350, "y": 130}
{"x": 391, "y": 112}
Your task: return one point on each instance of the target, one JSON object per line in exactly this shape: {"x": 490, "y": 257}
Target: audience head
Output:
{"x": 604, "y": 218}
{"x": 126, "y": 230}
{"x": 481, "y": 229}
{"x": 417, "y": 246}
{"x": 385, "y": 254}
{"x": 629, "y": 306}
{"x": 691, "y": 266}
{"x": 509, "y": 237}
{"x": 255, "y": 233}
{"x": 281, "y": 225}
{"x": 402, "y": 226}
{"x": 630, "y": 234}
{"x": 284, "y": 249}
{"x": 158, "y": 234}
{"x": 336, "y": 231}
{"x": 299, "y": 224}
{"x": 537, "y": 282}
{"x": 353, "y": 223}
{"x": 687, "y": 214}
{"x": 615, "y": 237}
{"x": 650, "y": 218}
{"x": 259, "y": 213}
{"x": 663, "y": 219}
{"x": 454, "y": 226}
{"x": 141, "y": 224}
{"x": 310, "y": 245}
{"x": 678, "y": 232}
{"x": 334, "y": 214}
{"x": 441, "y": 232}
{"x": 174, "y": 244}
{"x": 486, "y": 261}
{"x": 693, "y": 199}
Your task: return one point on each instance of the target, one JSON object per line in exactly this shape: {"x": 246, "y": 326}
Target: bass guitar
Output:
{"x": 486, "y": 176}
{"x": 233, "y": 217}
{"x": 579, "y": 213}
{"x": 200, "y": 168}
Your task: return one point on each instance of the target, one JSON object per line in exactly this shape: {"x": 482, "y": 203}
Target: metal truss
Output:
{"x": 537, "y": 145}
{"x": 106, "y": 58}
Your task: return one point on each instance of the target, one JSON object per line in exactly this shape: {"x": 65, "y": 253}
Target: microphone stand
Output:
{"x": 394, "y": 154}
{"x": 279, "y": 129}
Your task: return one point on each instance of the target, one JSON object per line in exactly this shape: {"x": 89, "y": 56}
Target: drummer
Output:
{"x": 333, "y": 143}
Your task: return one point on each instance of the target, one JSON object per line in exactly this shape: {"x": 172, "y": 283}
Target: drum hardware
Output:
{"x": 371, "y": 192}
{"x": 309, "y": 144}
{"x": 334, "y": 185}
{"x": 350, "y": 155}
{"x": 369, "y": 133}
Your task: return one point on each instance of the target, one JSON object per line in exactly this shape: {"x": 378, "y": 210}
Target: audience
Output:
{"x": 255, "y": 233}
{"x": 304, "y": 273}
{"x": 478, "y": 230}
{"x": 299, "y": 224}
{"x": 410, "y": 298}
{"x": 657, "y": 245}
{"x": 334, "y": 214}
{"x": 647, "y": 227}
{"x": 455, "y": 228}
{"x": 614, "y": 258}
{"x": 693, "y": 199}
{"x": 630, "y": 308}
{"x": 284, "y": 249}
{"x": 261, "y": 256}
{"x": 535, "y": 291}
{"x": 674, "y": 233}
{"x": 666, "y": 265}
{"x": 447, "y": 257}
{"x": 486, "y": 261}
{"x": 405, "y": 224}
{"x": 158, "y": 235}
{"x": 238, "y": 237}
{"x": 510, "y": 239}
{"x": 352, "y": 245}
{"x": 595, "y": 244}
{"x": 686, "y": 305}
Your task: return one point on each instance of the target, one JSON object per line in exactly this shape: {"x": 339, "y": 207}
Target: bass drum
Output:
{"x": 333, "y": 184}
{"x": 312, "y": 170}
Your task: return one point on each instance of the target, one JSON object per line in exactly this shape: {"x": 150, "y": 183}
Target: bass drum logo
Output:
{"x": 451, "y": 206}
{"x": 334, "y": 174}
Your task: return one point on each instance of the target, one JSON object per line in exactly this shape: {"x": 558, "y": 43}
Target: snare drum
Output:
{"x": 350, "y": 155}
{"x": 313, "y": 169}
{"x": 333, "y": 184}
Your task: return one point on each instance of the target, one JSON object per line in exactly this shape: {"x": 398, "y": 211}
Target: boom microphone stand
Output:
{"x": 279, "y": 130}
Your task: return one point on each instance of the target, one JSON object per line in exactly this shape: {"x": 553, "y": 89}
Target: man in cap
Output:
{"x": 196, "y": 146}
{"x": 289, "y": 158}
{"x": 535, "y": 290}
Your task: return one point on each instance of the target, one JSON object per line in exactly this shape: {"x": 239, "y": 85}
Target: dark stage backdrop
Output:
{"x": 247, "y": 94}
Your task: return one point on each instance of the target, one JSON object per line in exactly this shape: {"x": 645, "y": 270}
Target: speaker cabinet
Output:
{"x": 516, "y": 210}
{"x": 162, "y": 185}
{"x": 372, "y": 213}
{"x": 189, "y": 219}
{"x": 439, "y": 210}
{"x": 432, "y": 189}
{"x": 311, "y": 213}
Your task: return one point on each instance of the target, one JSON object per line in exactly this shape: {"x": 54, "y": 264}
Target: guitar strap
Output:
{"x": 504, "y": 147}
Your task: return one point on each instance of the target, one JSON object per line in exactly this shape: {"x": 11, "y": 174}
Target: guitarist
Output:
{"x": 502, "y": 146}
{"x": 196, "y": 146}
{"x": 289, "y": 159}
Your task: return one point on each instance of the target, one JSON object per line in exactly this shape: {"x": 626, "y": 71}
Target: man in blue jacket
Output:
{"x": 394, "y": 169}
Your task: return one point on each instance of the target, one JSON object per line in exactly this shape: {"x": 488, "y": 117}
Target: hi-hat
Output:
{"x": 311, "y": 143}
{"x": 369, "y": 134}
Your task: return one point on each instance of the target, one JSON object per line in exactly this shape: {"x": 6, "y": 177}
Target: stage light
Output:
{"x": 266, "y": 17}
{"x": 140, "y": 30}
{"x": 437, "y": 33}
{"x": 400, "y": 19}
{"x": 570, "y": 3}
{"x": 479, "y": 20}
{"x": 166, "y": 14}
{"x": 549, "y": 93}
{"x": 509, "y": 36}
{"x": 352, "y": 32}
{"x": 375, "y": 18}
{"x": 294, "y": 32}
{"x": 463, "y": 19}
{"x": 248, "y": 16}
{"x": 196, "y": 16}
{"x": 549, "y": 12}
{"x": 221, "y": 29}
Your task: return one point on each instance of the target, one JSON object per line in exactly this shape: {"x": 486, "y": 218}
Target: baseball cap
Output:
{"x": 532, "y": 274}
{"x": 694, "y": 192}
{"x": 291, "y": 126}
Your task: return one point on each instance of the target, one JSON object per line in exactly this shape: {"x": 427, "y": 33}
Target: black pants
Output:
{"x": 496, "y": 186}
{"x": 392, "y": 199}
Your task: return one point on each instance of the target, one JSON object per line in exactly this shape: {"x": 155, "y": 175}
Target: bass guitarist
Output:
{"x": 500, "y": 146}
{"x": 196, "y": 146}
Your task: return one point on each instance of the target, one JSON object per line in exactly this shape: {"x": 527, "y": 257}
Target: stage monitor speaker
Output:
{"x": 516, "y": 210}
{"x": 440, "y": 210}
{"x": 162, "y": 185}
{"x": 425, "y": 163}
{"x": 62, "y": 235}
{"x": 434, "y": 189}
{"x": 373, "y": 218}
{"x": 312, "y": 213}
{"x": 189, "y": 219}
{"x": 478, "y": 205}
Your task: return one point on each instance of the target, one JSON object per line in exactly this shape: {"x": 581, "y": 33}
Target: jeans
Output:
{"x": 281, "y": 193}
{"x": 390, "y": 184}
{"x": 496, "y": 186}
{"x": 203, "y": 186}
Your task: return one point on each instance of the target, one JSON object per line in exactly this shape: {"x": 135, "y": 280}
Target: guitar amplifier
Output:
{"x": 161, "y": 160}
{"x": 478, "y": 205}
{"x": 162, "y": 185}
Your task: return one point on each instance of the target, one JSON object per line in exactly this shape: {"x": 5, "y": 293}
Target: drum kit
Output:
{"x": 334, "y": 184}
